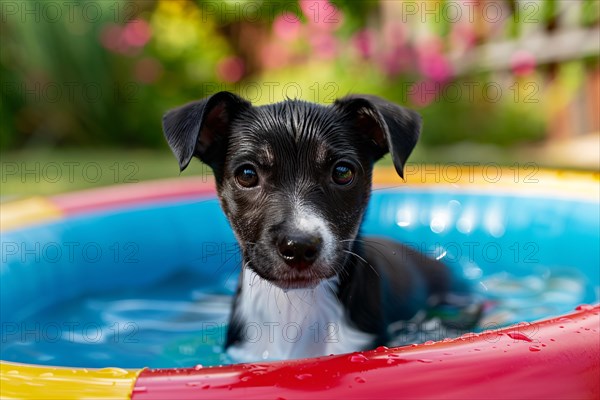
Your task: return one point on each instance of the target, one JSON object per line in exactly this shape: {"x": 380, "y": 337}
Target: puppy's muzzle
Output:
{"x": 299, "y": 250}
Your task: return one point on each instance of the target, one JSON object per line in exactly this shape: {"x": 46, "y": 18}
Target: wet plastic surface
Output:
{"x": 555, "y": 359}
{"x": 530, "y": 277}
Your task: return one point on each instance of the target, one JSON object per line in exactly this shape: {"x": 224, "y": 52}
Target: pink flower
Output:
{"x": 433, "y": 64}
{"x": 423, "y": 93}
{"x": 397, "y": 55}
{"x": 463, "y": 36}
{"x": 395, "y": 61}
{"x": 230, "y": 69}
{"x": 394, "y": 34}
{"x": 128, "y": 39}
{"x": 522, "y": 63}
{"x": 435, "y": 67}
{"x": 322, "y": 14}
{"x": 137, "y": 33}
{"x": 287, "y": 26}
{"x": 364, "y": 42}
{"x": 324, "y": 45}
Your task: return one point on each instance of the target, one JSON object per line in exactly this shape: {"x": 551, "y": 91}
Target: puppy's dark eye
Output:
{"x": 343, "y": 173}
{"x": 246, "y": 176}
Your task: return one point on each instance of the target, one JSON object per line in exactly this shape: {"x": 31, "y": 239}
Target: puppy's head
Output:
{"x": 293, "y": 178}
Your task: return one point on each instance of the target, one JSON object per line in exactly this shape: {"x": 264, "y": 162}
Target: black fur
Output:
{"x": 293, "y": 147}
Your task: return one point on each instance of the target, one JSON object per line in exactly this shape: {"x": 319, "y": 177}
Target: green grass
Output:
{"x": 47, "y": 172}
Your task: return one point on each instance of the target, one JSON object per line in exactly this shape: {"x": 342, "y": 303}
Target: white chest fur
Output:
{"x": 296, "y": 323}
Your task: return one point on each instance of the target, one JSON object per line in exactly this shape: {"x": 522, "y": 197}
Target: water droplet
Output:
{"x": 258, "y": 368}
{"x": 245, "y": 378}
{"x": 476, "y": 349}
{"x": 552, "y": 340}
{"x": 437, "y": 224}
{"x": 46, "y": 375}
{"x": 302, "y": 377}
{"x": 519, "y": 336}
{"x": 358, "y": 379}
{"x": 534, "y": 348}
{"x": 358, "y": 358}
{"x": 193, "y": 384}
{"x": 381, "y": 348}
{"x": 425, "y": 360}
{"x": 198, "y": 367}
{"x": 584, "y": 307}
{"x": 429, "y": 342}
{"x": 265, "y": 354}
{"x": 13, "y": 372}
{"x": 140, "y": 389}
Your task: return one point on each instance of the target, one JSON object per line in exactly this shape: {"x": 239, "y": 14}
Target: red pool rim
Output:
{"x": 554, "y": 358}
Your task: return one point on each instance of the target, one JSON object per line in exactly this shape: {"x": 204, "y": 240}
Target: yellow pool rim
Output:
{"x": 18, "y": 381}
{"x": 501, "y": 180}
{"x": 570, "y": 184}
{"x": 24, "y": 381}
{"x": 28, "y": 211}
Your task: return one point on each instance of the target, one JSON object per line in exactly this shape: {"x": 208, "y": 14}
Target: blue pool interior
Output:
{"x": 151, "y": 285}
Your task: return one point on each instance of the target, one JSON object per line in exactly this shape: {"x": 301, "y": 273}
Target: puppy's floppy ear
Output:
{"x": 389, "y": 127}
{"x": 200, "y": 128}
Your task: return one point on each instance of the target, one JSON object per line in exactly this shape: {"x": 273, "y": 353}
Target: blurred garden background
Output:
{"x": 84, "y": 84}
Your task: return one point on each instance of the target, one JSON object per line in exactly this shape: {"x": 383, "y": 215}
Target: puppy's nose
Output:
{"x": 299, "y": 251}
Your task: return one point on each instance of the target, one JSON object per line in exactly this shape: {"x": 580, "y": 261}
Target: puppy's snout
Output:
{"x": 299, "y": 250}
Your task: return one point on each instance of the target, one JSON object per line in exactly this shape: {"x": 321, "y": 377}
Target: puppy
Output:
{"x": 294, "y": 180}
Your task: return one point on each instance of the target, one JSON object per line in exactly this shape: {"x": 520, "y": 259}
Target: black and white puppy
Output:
{"x": 294, "y": 179}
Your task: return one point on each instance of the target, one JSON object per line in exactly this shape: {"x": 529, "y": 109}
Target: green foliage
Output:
{"x": 590, "y": 13}
{"x": 61, "y": 85}
{"x": 484, "y": 112}
{"x": 77, "y": 81}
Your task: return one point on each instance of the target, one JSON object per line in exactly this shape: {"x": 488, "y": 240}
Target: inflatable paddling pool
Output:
{"x": 530, "y": 247}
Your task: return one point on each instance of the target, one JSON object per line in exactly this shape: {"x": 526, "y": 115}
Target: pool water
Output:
{"x": 166, "y": 303}
{"x": 179, "y": 322}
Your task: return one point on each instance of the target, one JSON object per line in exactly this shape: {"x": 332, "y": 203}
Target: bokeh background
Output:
{"x": 85, "y": 83}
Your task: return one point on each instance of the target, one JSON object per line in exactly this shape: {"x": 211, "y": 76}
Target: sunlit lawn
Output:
{"x": 49, "y": 172}
{"x": 46, "y": 172}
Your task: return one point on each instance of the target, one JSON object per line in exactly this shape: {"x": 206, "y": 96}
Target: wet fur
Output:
{"x": 365, "y": 284}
